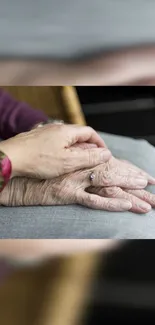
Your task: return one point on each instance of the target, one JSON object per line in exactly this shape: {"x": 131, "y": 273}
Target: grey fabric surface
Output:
{"x": 80, "y": 222}
{"x": 70, "y": 28}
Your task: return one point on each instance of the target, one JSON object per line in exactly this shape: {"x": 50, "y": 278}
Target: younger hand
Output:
{"x": 49, "y": 151}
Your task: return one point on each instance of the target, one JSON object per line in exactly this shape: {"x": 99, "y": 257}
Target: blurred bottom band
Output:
{"x": 89, "y": 286}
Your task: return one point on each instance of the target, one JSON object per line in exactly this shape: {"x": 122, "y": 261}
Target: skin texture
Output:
{"x": 127, "y": 66}
{"x": 117, "y": 186}
{"x": 49, "y": 151}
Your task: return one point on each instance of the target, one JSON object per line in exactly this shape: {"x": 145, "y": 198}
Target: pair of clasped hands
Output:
{"x": 52, "y": 165}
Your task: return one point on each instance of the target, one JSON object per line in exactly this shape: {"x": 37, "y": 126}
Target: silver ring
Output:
{"x": 92, "y": 176}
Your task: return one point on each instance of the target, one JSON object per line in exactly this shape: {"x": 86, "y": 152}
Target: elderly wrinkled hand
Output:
{"x": 142, "y": 201}
{"x": 115, "y": 186}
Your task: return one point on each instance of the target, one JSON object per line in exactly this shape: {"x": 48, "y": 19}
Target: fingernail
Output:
{"x": 126, "y": 205}
{"x": 105, "y": 154}
{"x": 142, "y": 182}
{"x": 145, "y": 207}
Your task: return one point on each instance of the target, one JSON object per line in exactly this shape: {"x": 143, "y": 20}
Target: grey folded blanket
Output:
{"x": 80, "y": 222}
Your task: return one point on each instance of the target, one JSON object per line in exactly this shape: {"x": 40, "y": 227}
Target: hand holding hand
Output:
{"x": 77, "y": 188}
{"x": 49, "y": 151}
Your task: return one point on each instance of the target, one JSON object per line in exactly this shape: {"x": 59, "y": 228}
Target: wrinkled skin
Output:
{"x": 117, "y": 186}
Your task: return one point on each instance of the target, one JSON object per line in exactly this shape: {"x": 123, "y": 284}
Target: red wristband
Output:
{"x": 5, "y": 170}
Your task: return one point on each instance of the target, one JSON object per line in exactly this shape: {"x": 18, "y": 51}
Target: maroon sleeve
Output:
{"x": 17, "y": 117}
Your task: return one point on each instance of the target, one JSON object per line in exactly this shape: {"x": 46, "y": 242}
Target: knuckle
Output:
{"x": 106, "y": 166}
{"x": 89, "y": 128}
{"x": 109, "y": 205}
{"x": 106, "y": 178}
{"x": 91, "y": 200}
{"x": 112, "y": 191}
{"x": 127, "y": 181}
{"x": 147, "y": 196}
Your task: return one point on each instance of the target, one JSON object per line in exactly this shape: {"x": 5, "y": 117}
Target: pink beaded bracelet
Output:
{"x": 5, "y": 170}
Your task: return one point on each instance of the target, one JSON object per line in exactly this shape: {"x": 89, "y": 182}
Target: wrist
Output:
{"x": 5, "y": 170}
{"x": 11, "y": 152}
{"x": 38, "y": 192}
{"x": 13, "y": 193}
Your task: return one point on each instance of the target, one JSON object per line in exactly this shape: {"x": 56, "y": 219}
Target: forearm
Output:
{"x": 113, "y": 68}
{"x": 22, "y": 191}
{"x": 36, "y": 72}
{"x": 16, "y": 117}
{"x": 128, "y": 66}
{"x": 12, "y": 194}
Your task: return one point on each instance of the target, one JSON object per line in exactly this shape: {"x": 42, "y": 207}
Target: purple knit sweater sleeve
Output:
{"x": 17, "y": 117}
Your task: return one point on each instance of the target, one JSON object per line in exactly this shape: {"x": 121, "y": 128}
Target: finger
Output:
{"x": 126, "y": 170}
{"x": 96, "y": 202}
{"x": 138, "y": 205}
{"x": 84, "y": 145}
{"x": 151, "y": 179}
{"x": 110, "y": 179}
{"x": 117, "y": 167}
{"x": 129, "y": 182}
{"x": 88, "y": 158}
{"x": 144, "y": 195}
{"x": 132, "y": 169}
{"x": 84, "y": 134}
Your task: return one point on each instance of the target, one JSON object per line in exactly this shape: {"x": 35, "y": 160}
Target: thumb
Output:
{"x": 84, "y": 145}
{"x": 88, "y": 158}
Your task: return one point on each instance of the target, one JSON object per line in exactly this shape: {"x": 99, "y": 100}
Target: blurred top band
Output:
{"x": 72, "y": 29}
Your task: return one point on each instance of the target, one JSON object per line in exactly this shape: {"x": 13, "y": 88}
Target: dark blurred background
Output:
{"x": 124, "y": 290}
{"x": 128, "y": 111}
